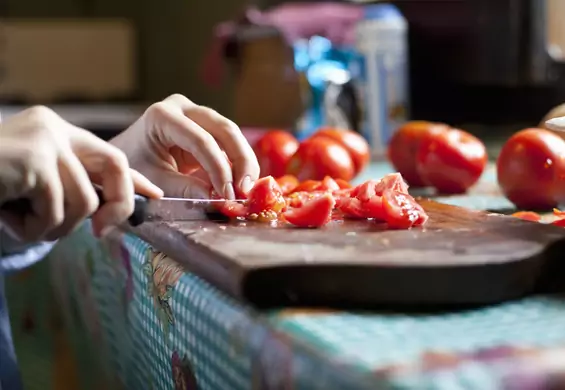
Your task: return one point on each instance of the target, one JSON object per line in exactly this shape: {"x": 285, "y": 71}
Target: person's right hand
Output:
{"x": 53, "y": 164}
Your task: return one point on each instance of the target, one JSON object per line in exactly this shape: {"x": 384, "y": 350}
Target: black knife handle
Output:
{"x": 22, "y": 206}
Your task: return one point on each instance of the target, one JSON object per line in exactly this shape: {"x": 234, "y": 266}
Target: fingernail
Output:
{"x": 229, "y": 193}
{"x": 246, "y": 184}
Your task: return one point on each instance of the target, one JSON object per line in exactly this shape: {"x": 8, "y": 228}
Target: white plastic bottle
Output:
{"x": 381, "y": 74}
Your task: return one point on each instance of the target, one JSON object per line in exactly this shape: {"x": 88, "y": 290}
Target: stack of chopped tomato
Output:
{"x": 315, "y": 203}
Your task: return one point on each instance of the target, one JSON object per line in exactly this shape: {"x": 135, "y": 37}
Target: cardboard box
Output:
{"x": 44, "y": 61}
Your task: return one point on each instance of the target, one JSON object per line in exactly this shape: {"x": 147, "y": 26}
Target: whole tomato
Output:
{"x": 318, "y": 157}
{"x": 531, "y": 169}
{"x": 404, "y": 146}
{"x": 273, "y": 150}
{"x": 451, "y": 160}
{"x": 353, "y": 142}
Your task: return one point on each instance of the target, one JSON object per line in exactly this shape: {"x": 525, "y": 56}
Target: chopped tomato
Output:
{"x": 288, "y": 183}
{"x": 265, "y": 199}
{"x": 370, "y": 188}
{"x": 329, "y": 184}
{"x": 234, "y": 209}
{"x": 374, "y": 208}
{"x": 308, "y": 186}
{"x": 351, "y": 208}
{"x": 365, "y": 191}
{"x": 343, "y": 184}
{"x": 527, "y": 215}
{"x": 297, "y": 199}
{"x": 402, "y": 211}
{"x": 315, "y": 213}
{"x": 559, "y": 213}
{"x": 559, "y": 222}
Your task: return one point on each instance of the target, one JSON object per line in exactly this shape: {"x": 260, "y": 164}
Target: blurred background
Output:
{"x": 474, "y": 61}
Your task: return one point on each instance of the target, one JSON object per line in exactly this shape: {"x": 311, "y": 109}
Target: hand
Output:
{"x": 53, "y": 164}
{"x": 187, "y": 150}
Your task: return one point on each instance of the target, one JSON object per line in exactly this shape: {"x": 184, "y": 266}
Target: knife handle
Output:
{"x": 22, "y": 206}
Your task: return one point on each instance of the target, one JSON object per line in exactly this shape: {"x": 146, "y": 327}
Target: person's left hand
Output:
{"x": 188, "y": 150}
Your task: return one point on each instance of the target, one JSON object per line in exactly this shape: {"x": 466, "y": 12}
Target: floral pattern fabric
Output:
{"x": 153, "y": 326}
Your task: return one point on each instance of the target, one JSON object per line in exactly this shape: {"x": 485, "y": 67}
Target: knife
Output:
{"x": 147, "y": 209}
{"x": 556, "y": 124}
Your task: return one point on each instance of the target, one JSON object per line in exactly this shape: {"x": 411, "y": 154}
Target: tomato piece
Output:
{"x": 308, "y": 186}
{"x": 318, "y": 157}
{"x": 531, "y": 169}
{"x": 404, "y": 145}
{"x": 274, "y": 150}
{"x": 234, "y": 209}
{"x": 527, "y": 215}
{"x": 329, "y": 184}
{"x": 288, "y": 183}
{"x": 353, "y": 142}
{"x": 315, "y": 213}
{"x": 374, "y": 208}
{"x": 265, "y": 196}
{"x": 559, "y": 222}
{"x": 559, "y": 213}
{"x": 351, "y": 208}
{"x": 402, "y": 211}
{"x": 343, "y": 184}
{"x": 370, "y": 188}
{"x": 451, "y": 160}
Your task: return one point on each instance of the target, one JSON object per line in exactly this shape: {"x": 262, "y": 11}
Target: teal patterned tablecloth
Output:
{"x": 138, "y": 321}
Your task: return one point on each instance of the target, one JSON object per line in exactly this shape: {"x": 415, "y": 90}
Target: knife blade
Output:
{"x": 178, "y": 209}
{"x": 146, "y": 209}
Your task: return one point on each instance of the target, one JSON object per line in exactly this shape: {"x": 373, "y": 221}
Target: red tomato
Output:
{"x": 402, "y": 211}
{"x": 274, "y": 149}
{"x": 343, "y": 184}
{"x": 308, "y": 186}
{"x": 559, "y": 222}
{"x": 234, "y": 209}
{"x": 451, "y": 160}
{"x": 404, "y": 146}
{"x": 318, "y": 157}
{"x": 315, "y": 213}
{"x": 353, "y": 142}
{"x": 329, "y": 184}
{"x": 527, "y": 215}
{"x": 265, "y": 200}
{"x": 531, "y": 169}
{"x": 351, "y": 208}
{"x": 288, "y": 183}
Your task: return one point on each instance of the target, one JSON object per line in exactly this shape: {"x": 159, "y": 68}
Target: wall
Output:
{"x": 173, "y": 36}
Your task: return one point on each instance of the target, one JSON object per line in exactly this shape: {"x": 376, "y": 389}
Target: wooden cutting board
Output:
{"x": 460, "y": 257}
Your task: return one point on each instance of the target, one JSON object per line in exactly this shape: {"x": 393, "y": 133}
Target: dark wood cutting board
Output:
{"x": 460, "y": 257}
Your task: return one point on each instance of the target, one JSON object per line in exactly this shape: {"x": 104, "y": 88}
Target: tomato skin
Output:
{"x": 353, "y": 142}
{"x": 404, "y": 145}
{"x": 266, "y": 195}
{"x": 314, "y": 213}
{"x": 288, "y": 184}
{"x": 531, "y": 169}
{"x": 451, "y": 160}
{"x": 318, "y": 157}
{"x": 273, "y": 150}
{"x": 527, "y": 216}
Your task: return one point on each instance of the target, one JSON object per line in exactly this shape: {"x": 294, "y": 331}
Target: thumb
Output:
{"x": 177, "y": 185}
